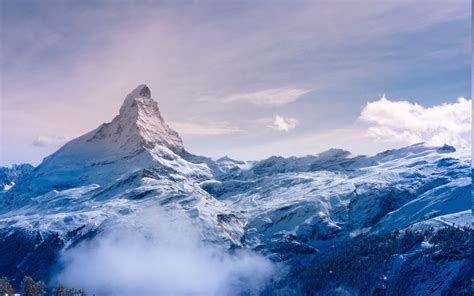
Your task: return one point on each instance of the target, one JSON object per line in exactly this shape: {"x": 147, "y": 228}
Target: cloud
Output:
{"x": 166, "y": 257}
{"x": 49, "y": 140}
{"x": 268, "y": 97}
{"x": 284, "y": 124}
{"x": 404, "y": 121}
{"x": 205, "y": 129}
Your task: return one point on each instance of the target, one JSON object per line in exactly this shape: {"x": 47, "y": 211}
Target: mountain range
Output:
{"x": 298, "y": 212}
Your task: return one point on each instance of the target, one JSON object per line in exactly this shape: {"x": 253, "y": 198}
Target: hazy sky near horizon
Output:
{"x": 248, "y": 79}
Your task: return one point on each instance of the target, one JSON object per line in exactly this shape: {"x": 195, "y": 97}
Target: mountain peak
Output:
{"x": 132, "y": 141}
{"x": 144, "y": 91}
{"x": 140, "y": 92}
{"x": 139, "y": 125}
{"x": 140, "y": 116}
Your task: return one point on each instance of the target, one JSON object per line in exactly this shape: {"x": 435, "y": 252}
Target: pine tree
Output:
{"x": 28, "y": 286}
{"x": 5, "y": 286}
{"x": 60, "y": 290}
{"x": 41, "y": 288}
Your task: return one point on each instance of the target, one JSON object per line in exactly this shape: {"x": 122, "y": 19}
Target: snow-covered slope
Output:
{"x": 280, "y": 206}
{"x": 9, "y": 175}
{"x": 317, "y": 200}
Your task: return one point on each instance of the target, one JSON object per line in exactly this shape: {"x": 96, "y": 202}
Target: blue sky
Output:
{"x": 244, "y": 78}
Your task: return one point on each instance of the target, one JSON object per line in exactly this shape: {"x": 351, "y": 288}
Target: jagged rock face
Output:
{"x": 138, "y": 126}
{"x": 140, "y": 117}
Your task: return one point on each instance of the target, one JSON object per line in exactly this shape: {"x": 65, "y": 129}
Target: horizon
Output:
{"x": 226, "y": 84}
{"x": 351, "y": 155}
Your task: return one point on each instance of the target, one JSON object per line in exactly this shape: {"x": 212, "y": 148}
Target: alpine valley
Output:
{"x": 396, "y": 223}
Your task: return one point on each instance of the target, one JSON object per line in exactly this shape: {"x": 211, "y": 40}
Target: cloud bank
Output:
{"x": 165, "y": 257}
{"x": 448, "y": 123}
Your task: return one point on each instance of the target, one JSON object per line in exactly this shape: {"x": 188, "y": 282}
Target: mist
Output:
{"x": 161, "y": 255}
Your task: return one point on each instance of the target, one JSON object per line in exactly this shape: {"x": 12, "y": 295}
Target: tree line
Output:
{"x": 29, "y": 287}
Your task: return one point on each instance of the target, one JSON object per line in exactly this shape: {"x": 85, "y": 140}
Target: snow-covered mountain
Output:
{"x": 282, "y": 207}
{"x": 133, "y": 162}
{"x": 135, "y": 140}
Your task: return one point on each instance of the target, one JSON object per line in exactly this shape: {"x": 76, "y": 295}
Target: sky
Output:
{"x": 247, "y": 79}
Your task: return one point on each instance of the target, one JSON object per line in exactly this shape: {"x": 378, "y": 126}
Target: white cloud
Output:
{"x": 409, "y": 122}
{"x": 268, "y": 97}
{"x": 204, "y": 129}
{"x": 166, "y": 257}
{"x": 49, "y": 141}
{"x": 284, "y": 124}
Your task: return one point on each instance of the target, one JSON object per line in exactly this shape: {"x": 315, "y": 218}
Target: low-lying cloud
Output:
{"x": 409, "y": 122}
{"x": 166, "y": 256}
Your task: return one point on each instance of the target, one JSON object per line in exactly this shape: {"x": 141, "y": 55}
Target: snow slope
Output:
{"x": 317, "y": 200}
{"x": 9, "y": 175}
